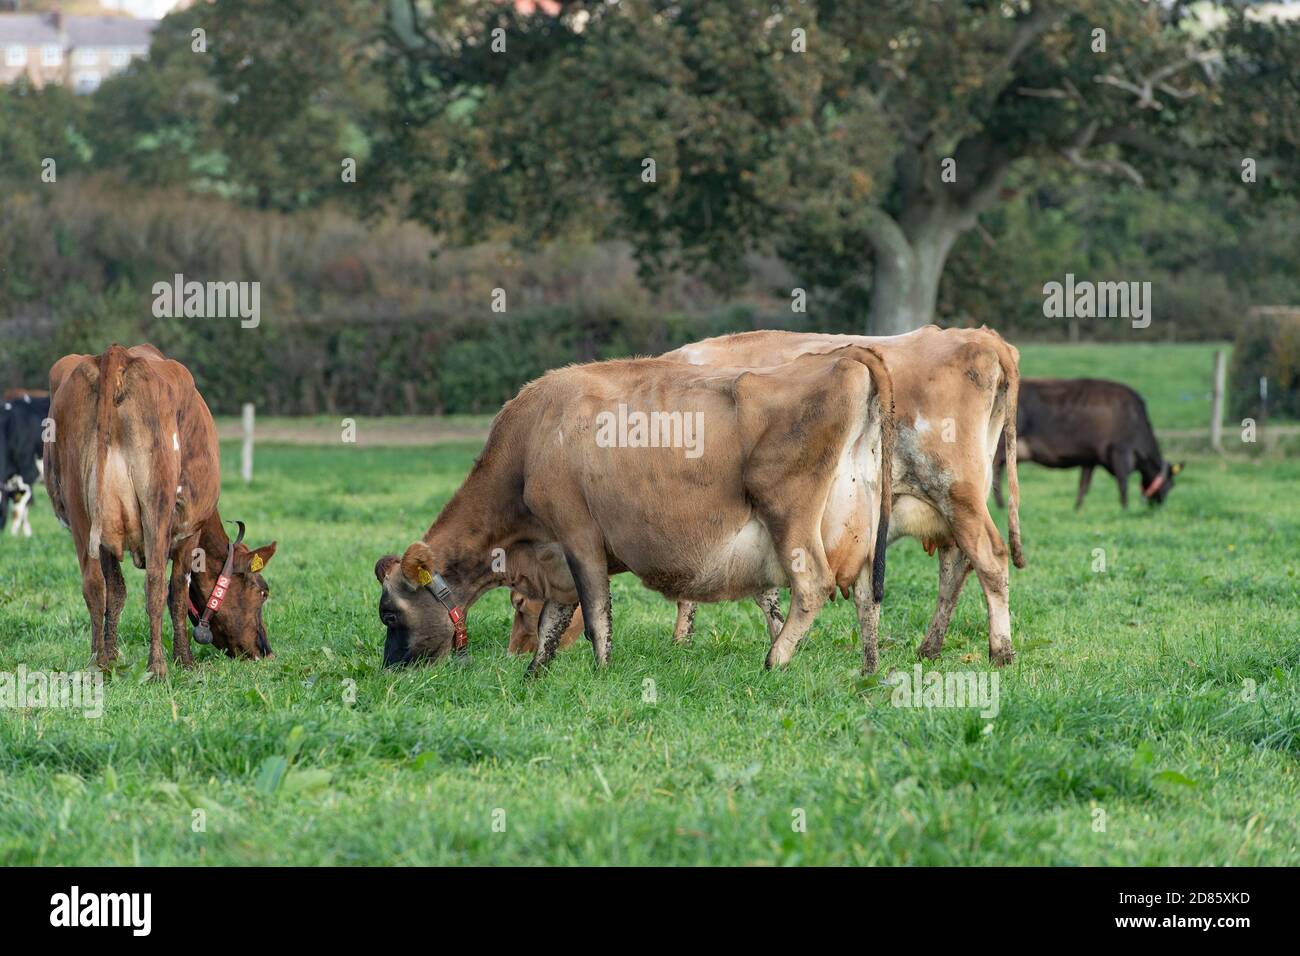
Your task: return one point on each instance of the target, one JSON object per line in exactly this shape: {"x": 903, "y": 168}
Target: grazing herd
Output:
{"x": 723, "y": 470}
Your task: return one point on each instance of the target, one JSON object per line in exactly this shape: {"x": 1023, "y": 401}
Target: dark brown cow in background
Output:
{"x": 134, "y": 468}
{"x": 1086, "y": 422}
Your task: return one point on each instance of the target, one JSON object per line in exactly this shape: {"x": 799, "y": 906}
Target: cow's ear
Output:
{"x": 251, "y": 562}
{"x": 418, "y": 565}
{"x": 383, "y": 565}
{"x": 1176, "y": 468}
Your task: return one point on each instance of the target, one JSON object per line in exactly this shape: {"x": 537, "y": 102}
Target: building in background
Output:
{"x": 145, "y": 9}
{"x": 80, "y": 52}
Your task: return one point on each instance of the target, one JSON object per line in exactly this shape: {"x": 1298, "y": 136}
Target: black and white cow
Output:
{"x": 21, "y": 427}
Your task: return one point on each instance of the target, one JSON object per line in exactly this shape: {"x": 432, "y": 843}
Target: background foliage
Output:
{"x": 376, "y": 294}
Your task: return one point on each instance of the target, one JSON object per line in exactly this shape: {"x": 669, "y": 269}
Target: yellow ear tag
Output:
{"x": 257, "y": 564}
{"x": 425, "y": 577}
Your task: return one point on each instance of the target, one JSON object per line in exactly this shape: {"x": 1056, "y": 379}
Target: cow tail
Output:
{"x": 884, "y": 383}
{"x": 112, "y": 365}
{"x": 1011, "y": 372}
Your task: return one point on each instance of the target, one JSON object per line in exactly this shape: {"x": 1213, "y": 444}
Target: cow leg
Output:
{"x": 978, "y": 537}
{"x": 769, "y": 602}
{"x": 1085, "y": 481}
{"x": 93, "y": 589}
{"x": 22, "y": 497}
{"x": 114, "y": 601}
{"x": 684, "y": 627}
{"x": 550, "y": 628}
{"x": 1121, "y": 465}
{"x": 155, "y": 597}
{"x": 593, "y": 596}
{"x": 868, "y": 609}
{"x": 953, "y": 568}
{"x": 811, "y": 583}
{"x": 179, "y": 594}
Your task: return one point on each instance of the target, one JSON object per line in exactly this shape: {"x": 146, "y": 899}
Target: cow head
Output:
{"x": 1157, "y": 490}
{"x": 238, "y": 628}
{"x": 418, "y": 624}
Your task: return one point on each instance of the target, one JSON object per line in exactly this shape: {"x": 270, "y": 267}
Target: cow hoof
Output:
{"x": 1001, "y": 658}
{"x": 928, "y": 651}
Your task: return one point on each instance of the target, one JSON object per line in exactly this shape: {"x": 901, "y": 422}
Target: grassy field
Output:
{"x": 1157, "y": 699}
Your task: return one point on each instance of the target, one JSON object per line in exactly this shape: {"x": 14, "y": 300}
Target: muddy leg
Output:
{"x": 114, "y": 600}
{"x": 685, "y": 624}
{"x": 953, "y": 568}
{"x": 868, "y": 609}
{"x": 550, "y": 628}
{"x": 769, "y": 602}
{"x": 591, "y": 574}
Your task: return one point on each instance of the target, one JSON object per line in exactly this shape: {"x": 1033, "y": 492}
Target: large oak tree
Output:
{"x": 859, "y": 138}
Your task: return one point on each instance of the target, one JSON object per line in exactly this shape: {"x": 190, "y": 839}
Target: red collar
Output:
{"x": 202, "y": 629}
{"x": 1156, "y": 484}
{"x": 439, "y": 589}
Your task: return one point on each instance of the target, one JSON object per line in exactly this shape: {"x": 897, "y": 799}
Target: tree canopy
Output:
{"x": 857, "y": 138}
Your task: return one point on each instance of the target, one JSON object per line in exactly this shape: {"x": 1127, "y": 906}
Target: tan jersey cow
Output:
{"x": 134, "y": 468}
{"x": 954, "y": 390}
{"x": 707, "y": 484}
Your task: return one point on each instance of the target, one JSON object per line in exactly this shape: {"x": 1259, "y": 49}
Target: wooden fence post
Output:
{"x": 246, "y": 459}
{"x": 1216, "y": 412}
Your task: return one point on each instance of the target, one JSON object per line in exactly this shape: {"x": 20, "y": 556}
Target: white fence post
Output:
{"x": 1216, "y": 412}
{"x": 246, "y": 459}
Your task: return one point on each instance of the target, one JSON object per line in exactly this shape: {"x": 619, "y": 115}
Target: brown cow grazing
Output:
{"x": 954, "y": 389}
{"x": 707, "y": 484}
{"x": 134, "y": 467}
{"x": 1085, "y": 422}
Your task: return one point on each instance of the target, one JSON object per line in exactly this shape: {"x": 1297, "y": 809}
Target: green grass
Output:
{"x": 1126, "y": 697}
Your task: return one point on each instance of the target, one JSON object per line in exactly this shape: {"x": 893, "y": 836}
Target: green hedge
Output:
{"x": 1267, "y": 345}
{"x": 414, "y": 365}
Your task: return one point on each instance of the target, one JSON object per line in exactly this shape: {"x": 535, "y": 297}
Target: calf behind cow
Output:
{"x": 1086, "y": 422}
{"x": 784, "y": 487}
{"x": 134, "y": 468}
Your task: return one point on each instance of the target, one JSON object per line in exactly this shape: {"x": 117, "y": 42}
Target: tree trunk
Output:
{"x": 908, "y": 267}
